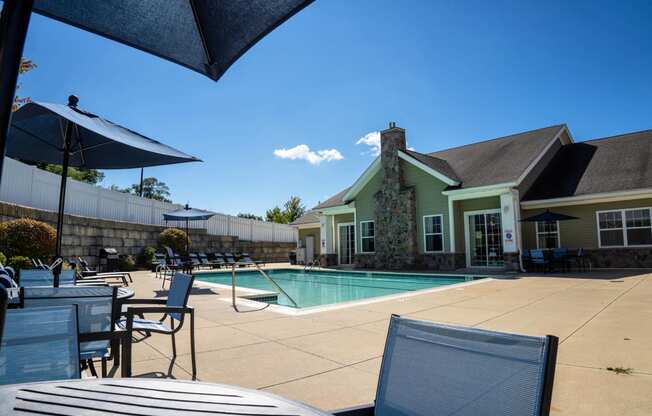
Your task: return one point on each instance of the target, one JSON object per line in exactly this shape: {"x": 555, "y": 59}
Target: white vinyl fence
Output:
{"x": 27, "y": 185}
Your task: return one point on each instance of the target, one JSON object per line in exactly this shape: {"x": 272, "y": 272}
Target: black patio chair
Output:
{"x": 437, "y": 369}
{"x": 84, "y": 271}
{"x": 175, "y": 307}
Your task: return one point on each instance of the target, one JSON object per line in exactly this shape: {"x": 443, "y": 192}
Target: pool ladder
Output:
{"x": 309, "y": 266}
{"x": 266, "y": 276}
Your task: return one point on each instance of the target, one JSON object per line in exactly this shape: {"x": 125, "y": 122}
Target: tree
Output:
{"x": 250, "y": 216}
{"x": 276, "y": 215}
{"x": 152, "y": 189}
{"x": 292, "y": 210}
{"x": 26, "y": 65}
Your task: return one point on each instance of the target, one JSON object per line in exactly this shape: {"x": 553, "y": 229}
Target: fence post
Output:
{"x": 251, "y": 230}
{"x": 228, "y": 225}
{"x": 273, "y": 232}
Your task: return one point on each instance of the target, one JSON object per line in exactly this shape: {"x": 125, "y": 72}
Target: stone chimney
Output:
{"x": 395, "y": 211}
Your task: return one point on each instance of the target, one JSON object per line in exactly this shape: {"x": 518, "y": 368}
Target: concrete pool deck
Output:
{"x": 331, "y": 359}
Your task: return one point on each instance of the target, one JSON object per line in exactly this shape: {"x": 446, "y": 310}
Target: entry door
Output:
{"x": 310, "y": 249}
{"x": 346, "y": 246}
{"x": 484, "y": 239}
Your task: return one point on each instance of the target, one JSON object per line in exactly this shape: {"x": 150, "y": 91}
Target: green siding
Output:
{"x": 582, "y": 232}
{"x": 315, "y": 232}
{"x": 430, "y": 201}
{"x": 460, "y": 207}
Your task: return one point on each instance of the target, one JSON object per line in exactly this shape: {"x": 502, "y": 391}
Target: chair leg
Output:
{"x": 126, "y": 356}
{"x": 104, "y": 370}
{"x": 174, "y": 347}
{"x": 115, "y": 352}
{"x": 192, "y": 345}
{"x": 91, "y": 367}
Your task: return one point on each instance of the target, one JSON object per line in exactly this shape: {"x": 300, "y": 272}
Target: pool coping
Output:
{"x": 287, "y": 310}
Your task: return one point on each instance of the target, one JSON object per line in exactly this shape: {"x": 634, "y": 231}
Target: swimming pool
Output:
{"x": 320, "y": 287}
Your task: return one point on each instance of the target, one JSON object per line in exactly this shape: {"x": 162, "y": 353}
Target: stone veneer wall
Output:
{"x": 395, "y": 208}
{"x": 620, "y": 258}
{"x": 84, "y": 236}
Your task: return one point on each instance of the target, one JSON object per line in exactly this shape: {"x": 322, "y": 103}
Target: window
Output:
{"x": 368, "y": 236}
{"x": 547, "y": 234}
{"x": 624, "y": 228}
{"x": 433, "y": 233}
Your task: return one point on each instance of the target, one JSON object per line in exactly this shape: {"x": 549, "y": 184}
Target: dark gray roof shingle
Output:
{"x": 309, "y": 217}
{"x": 499, "y": 160}
{"x": 611, "y": 164}
{"x": 334, "y": 201}
{"x": 435, "y": 163}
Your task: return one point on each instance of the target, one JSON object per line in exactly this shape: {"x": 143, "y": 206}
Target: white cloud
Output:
{"x": 373, "y": 141}
{"x": 303, "y": 152}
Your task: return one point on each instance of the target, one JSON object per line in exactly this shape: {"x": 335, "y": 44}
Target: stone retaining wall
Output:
{"x": 84, "y": 237}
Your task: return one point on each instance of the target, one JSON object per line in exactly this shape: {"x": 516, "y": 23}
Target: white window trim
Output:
{"x": 536, "y": 229}
{"x": 624, "y": 228}
{"x": 425, "y": 249}
{"x": 363, "y": 237}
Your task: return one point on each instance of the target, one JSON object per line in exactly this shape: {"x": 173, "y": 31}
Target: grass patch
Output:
{"x": 621, "y": 370}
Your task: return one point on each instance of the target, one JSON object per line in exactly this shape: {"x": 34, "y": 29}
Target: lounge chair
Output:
{"x": 229, "y": 259}
{"x": 217, "y": 259}
{"x": 203, "y": 259}
{"x": 159, "y": 265}
{"x": 176, "y": 308}
{"x": 246, "y": 259}
{"x": 97, "y": 309}
{"x": 174, "y": 264}
{"x": 85, "y": 271}
{"x": 194, "y": 261}
{"x": 39, "y": 344}
{"x": 436, "y": 369}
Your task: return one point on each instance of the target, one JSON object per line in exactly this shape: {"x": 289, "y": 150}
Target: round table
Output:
{"x": 144, "y": 397}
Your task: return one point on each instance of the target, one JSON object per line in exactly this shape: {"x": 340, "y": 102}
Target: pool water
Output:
{"x": 316, "y": 288}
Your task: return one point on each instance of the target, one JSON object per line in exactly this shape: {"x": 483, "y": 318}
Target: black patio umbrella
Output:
{"x": 68, "y": 136}
{"x": 549, "y": 216}
{"x": 187, "y": 214}
{"x": 207, "y": 36}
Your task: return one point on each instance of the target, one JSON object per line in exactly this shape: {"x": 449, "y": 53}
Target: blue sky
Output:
{"x": 450, "y": 73}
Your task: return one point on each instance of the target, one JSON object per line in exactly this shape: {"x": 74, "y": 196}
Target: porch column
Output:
{"x": 328, "y": 255}
{"x": 509, "y": 206}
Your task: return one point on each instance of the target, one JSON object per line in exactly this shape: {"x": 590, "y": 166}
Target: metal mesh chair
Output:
{"x": 436, "y": 369}
{"x": 97, "y": 311}
{"x": 176, "y": 307}
{"x": 39, "y": 344}
{"x": 42, "y": 277}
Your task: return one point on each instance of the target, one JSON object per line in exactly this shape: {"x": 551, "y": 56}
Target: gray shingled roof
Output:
{"x": 499, "y": 160}
{"x": 617, "y": 163}
{"x": 334, "y": 201}
{"x": 309, "y": 217}
{"x": 435, "y": 163}
{"x": 484, "y": 163}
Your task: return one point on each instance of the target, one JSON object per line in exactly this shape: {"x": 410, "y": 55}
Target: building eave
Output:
{"x": 438, "y": 175}
{"x": 363, "y": 180}
{"x": 589, "y": 199}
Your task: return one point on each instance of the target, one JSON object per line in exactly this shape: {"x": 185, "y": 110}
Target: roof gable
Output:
{"x": 612, "y": 164}
{"x": 501, "y": 160}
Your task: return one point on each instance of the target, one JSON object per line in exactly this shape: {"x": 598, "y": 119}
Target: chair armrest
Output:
{"x": 100, "y": 336}
{"x": 143, "y": 301}
{"x": 136, "y": 310}
{"x": 364, "y": 410}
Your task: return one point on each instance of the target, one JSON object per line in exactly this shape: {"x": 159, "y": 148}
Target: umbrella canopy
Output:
{"x": 187, "y": 214}
{"x": 205, "y": 36}
{"x": 37, "y": 134}
{"x": 549, "y": 216}
{"x": 68, "y": 136}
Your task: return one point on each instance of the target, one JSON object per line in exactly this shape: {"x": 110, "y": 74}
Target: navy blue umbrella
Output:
{"x": 68, "y": 136}
{"x": 549, "y": 216}
{"x": 207, "y": 36}
{"x": 187, "y": 214}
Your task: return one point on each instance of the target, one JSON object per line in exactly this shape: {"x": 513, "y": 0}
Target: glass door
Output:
{"x": 346, "y": 246}
{"x": 485, "y": 239}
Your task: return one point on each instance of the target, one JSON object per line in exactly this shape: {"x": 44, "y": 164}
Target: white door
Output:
{"x": 346, "y": 243}
{"x": 484, "y": 238}
{"x": 310, "y": 249}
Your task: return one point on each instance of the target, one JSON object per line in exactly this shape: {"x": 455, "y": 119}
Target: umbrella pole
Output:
{"x": 13, "y": 31}
{"x": 187, "y": 238}
{"x": 62, "y": 198}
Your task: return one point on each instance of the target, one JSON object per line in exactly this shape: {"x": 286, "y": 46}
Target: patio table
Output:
{"x": 144, "y": 397}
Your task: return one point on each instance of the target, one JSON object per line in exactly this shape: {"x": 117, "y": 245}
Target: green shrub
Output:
{"x": 3, "y": 258}
{"x": 173, "y": 238}
{"x": 146, "y": 256}
{"x": 126, "y": 264}
{"x": 28, "y": 238}
{"x": 19, "y": 262}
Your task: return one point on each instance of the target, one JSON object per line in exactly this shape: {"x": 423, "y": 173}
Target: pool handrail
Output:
{"x": 233, "y": 285}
